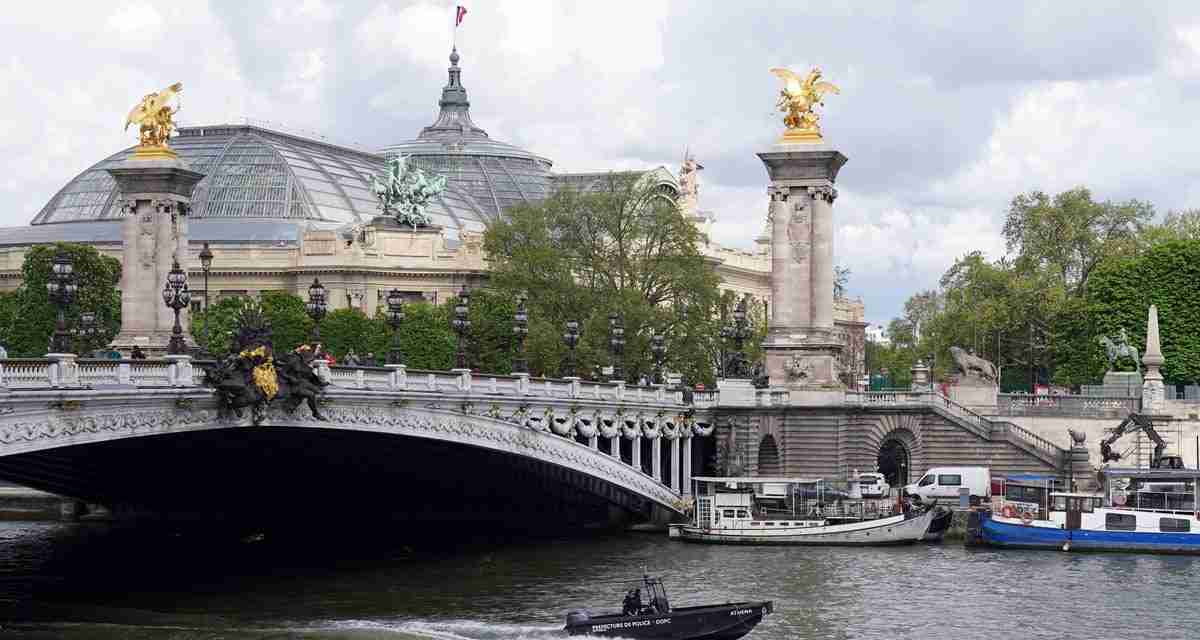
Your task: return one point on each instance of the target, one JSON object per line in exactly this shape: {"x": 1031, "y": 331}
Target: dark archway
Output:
{"x": 768, "y": 457}
{"x": 895, "y": 462}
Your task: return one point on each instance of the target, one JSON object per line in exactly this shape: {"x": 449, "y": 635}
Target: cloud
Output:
{"x": 946, "y": 111}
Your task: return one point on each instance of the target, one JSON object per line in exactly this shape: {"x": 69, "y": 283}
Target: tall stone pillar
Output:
{"x": 636, "y": 460}
{"x": 656, "y": 458}
{"x": 675, "y": 465}
{"x": 156, "y": 195}
{"x": 687, "y": 465}
{"x": 1153, "y": 389}
{"x": 802, "y": 348}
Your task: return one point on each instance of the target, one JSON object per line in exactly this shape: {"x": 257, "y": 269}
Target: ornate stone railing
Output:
{"x": 1021, "y": 404}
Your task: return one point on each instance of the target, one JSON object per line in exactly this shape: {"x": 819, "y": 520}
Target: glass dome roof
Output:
{"x": 498, "y": 175}
{"x": 252, "y": 172}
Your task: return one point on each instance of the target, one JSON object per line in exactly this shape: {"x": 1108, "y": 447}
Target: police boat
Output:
{"x": 646, "y": 613}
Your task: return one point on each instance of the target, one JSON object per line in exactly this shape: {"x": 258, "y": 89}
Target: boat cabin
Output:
{"x": 1167, "y": 490}
{"x": 750, "y": 502}
{"x": 1026, "y": 492}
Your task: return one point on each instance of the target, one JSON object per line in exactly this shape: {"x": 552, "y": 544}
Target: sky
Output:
{"x": 946, "y": 112}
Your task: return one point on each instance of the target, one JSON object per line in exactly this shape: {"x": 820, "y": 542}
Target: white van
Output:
{"x": 942, "y": 484}
{"x": 869, "y": 485}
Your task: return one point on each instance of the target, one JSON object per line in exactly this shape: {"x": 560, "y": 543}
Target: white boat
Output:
{"x": 739, "y": 511}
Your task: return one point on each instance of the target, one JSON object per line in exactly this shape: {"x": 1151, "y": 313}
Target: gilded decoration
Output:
{"x": 798, "y": 100}
{"x": 155, "y": 119}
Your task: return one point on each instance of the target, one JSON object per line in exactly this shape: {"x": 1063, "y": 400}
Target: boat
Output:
{"x": 761, "y": 511}
{"x": 1140, "y": 510}
{"x": 653, "y": 617}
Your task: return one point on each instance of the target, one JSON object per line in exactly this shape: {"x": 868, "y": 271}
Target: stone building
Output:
{"x": 278, "y": 209}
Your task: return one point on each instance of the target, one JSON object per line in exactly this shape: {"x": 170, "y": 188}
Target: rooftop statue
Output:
{"x": 798, "y": 100}
{"x": 689, "y": 176}
{"x": 405, "y": 190}
{"x": 153, "y": 115}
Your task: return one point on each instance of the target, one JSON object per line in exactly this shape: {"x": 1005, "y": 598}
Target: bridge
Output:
{"x": 146, "y": 438}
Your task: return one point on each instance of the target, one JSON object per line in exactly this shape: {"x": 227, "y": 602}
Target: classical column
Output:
{"x": 637, "y": 452}
{"x": 789, "y": 303}
{"x": 675, "y": 465}
{"x": 1153, "y": 390}
{"x": 822, "y": 255}
{"x": 656, "y": 458}
{"x": 614, "y": 446}
{"x": 155, "y": 200}
{"x": 687, "y": 464}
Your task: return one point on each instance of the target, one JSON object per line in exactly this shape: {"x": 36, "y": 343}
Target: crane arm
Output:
{"x": 1133, "y": 423}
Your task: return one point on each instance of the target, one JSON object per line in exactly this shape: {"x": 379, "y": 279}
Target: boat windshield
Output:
{"x": 658, "y": 595}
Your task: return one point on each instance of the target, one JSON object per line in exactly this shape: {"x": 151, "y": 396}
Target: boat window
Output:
{"x": 1120, "y": 522}
{"x": 949, "y": 480}
{"x": 1174, "y": 524}
{"x": 927, "y": 480}
{"x": 1058, "y": 503}
{"x": 742, "y": 513}
{"x": 770, "y": 524}
{"x": 1017, "y": 493}
{"x": 1086, "y": 505}
{"x": 728, "y": 513}
{"x": 754, "y": 524}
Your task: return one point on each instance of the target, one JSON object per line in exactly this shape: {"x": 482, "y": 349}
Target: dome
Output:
{"x": 253, "y": 172}
{"x": 496, "y": 174}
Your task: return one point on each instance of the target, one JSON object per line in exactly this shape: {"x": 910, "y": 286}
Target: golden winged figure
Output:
{"x": 798, "y": 101}
{"x": 153, "y": 115}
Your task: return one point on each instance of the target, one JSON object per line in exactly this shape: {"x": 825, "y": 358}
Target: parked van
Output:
{"x": 942, "y": 484}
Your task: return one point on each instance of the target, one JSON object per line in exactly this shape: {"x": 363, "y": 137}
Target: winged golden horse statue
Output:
{"x": 153, "y": 115}
{"x": 798, "y": 100}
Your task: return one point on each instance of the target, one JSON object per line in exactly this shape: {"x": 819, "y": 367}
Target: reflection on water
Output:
{"x": 93, "y": 581}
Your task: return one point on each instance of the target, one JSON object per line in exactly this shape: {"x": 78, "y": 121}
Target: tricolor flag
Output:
{"x": 458, "y": 16}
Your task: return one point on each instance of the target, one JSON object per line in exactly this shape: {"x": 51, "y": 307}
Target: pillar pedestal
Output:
{"x": 156, "y": 196}
{"x": 802, "y": 348}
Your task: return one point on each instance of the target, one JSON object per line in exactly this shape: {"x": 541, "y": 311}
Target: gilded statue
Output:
{"x": 154, "y": 117}
{"x": 798, "y": 100}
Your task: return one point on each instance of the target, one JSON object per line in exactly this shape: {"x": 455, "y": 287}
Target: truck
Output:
{"x": 943, "y": 484}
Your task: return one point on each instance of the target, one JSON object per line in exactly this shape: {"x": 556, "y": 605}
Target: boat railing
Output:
{"x": 1165, "y": 501}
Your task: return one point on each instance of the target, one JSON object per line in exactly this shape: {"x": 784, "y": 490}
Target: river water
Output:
{"x": 96, "y": 581}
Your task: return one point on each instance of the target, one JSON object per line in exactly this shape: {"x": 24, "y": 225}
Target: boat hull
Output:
{"x": 718, "y": 622}
{"x": 884, "y": 531}
{"x": 1016, "y": 535}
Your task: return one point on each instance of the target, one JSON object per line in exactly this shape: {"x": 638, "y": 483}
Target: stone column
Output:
{"x": 687, "y": 465}
{"x": 155, "y": 200}
{"x": 802, "y": 349}
{"x": 637, "y": 452}
{"x": 656, "y": 458}
{"x": 675, "y": 465}
{"x": 614, "y": 446}
{"x": 1153, "y": 389}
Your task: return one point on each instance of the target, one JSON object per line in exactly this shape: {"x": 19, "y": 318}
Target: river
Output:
{"x": 96, "y": 581}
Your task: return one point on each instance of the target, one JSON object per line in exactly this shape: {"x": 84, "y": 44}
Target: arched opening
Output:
{"x": 768, "y": 457}
{"x": 894, "y": 462}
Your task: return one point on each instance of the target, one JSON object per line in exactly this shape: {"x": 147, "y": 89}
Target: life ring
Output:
{"x": 1027, "y": 517}
{"x": 1008, "y": 511}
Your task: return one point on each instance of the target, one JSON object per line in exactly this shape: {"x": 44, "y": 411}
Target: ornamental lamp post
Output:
{"x": 206, "y": 258}
{"x": 87, "y": 329}
{"x": 658, "y": 347}
{"x": 616, "y": 346}
{"x": 738, "y": 332}
{"x": 461, "y": 325}
{"x": 176, "y": 296}
{"x": 61, "y": 288}
{"x": 316, "y": 307}
{"x": 395, "y": 304}
{"x": 520, "y": 332}
{"x": 571, "y": 339}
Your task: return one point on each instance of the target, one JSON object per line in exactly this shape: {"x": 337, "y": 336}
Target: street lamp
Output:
{"x": 86, "y": 330}
{"x": 206, "y": 258}
{"x": 462, "y": 324}
{"x": 520, "y": 332}
{"x": 176, "y": 296}
{"x": 738, "y": 332}
{"x": 658, "y": 347}
{"x": 316, "y": 307}
{"x": 570, "y": 338}
{"x": 616, "y": 346}
{"x": 395, "y": 304}
{"x": 61, "y": 288}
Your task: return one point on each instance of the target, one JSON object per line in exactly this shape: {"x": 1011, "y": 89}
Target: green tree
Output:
{"x": 27, "y": 317}
{"x": 623, "y": 247}
{"x": 346, "y": 330}
{"x": 425, "y": 337}
{"x": 290, "y": 324}
{"x": 1178, "y": 225}
{"x": 215, "y": 328}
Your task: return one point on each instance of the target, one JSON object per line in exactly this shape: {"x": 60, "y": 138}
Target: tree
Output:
{"x": 425, "y": 337}
{"x": 346, "y": 330}
{"x": 1178, "y": 225}
{"x": 290, "y": 324}
{"x": 1071, "y": 232}
{"x": 27, "y": 317}
{"x": 215, "y": 328}
{"x": 623, "y": 247}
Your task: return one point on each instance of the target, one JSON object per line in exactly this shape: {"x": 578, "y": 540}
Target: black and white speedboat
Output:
{"x": 651, "y": 616}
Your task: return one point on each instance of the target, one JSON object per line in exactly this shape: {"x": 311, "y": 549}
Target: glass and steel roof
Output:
{"x": 253, "y": 172}
{"x": 496, "y": 174}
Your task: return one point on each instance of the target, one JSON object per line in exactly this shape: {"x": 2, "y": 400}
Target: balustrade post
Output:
{"x": 464, "y": 379}
{"x": 3, "y": 380}
{"x": 687, "y": 463}
{"x": 397, "y": 377}
{"x": 63, "y": 370}
{"x": 620, "y": 390}
{"x": 321, "y": 367}
{"x": 179, "y": 371}
{"x": 574, "y": 387}
{"x": 360, "y": 379}
{"x": 124, "y": 374}
{"x": 522, "y": 383}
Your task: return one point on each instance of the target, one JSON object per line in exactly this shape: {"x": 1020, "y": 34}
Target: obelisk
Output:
{"x": 802, "y": 348}
{"x": 1153, "y": 389}
{"x": 156, "y": 189}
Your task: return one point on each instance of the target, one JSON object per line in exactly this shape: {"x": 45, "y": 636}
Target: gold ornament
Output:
{"x": 154, "y": 119}
{"x": 264, "y": 372}
{"x": 798, "y": 101}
